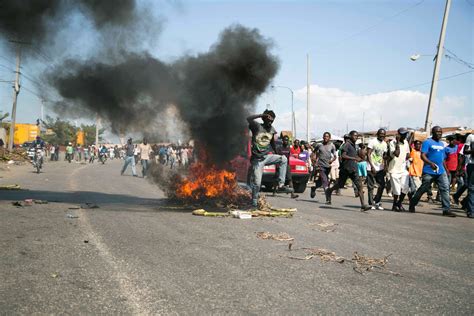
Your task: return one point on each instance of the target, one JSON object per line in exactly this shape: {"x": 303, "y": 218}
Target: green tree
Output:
{"x": 59, "y": 131}
{"x": 89, "y": 134}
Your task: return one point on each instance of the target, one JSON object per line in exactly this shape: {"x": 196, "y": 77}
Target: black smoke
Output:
{"x": 36, "y": 21}
{"x": 214, "y": 91}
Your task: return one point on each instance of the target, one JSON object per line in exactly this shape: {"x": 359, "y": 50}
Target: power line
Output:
{"x": 394, "y": 90}
{"x": 371, "y": 27}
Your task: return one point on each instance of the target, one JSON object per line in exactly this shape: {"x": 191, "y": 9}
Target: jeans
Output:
{"x": 129, "y": 160}
{"x": 145, "y": 165}
{"x": 462, "y": 185}
{"x": 378, "y": 178}
{"x": 443, "y": 189}
{"x": 470, "y": 192}
{"x": 257, "y": 172}
{"x": 323, "y": 180}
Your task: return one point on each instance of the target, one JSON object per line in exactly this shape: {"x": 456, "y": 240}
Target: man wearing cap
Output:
{"x": 434, "y": 155}
{"x": 397, "y": 168}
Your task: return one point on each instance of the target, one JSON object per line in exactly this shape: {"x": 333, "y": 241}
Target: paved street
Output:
{"x": 136, "y": 255}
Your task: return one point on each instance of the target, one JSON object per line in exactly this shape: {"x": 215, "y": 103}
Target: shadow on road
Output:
{"x": 80, "y": 197}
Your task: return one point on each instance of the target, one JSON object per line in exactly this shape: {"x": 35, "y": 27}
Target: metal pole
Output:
{"x": 97, "y": 122}
{"x": 42, "y": 110}
{"x": 16, "y": 89}
{"x": 439, "y": 55}
{"x": 307, "y": 98}
{"x": 293, "y": 125}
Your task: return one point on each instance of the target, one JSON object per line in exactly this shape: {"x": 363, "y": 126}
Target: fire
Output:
{"x": 208, "y": 182}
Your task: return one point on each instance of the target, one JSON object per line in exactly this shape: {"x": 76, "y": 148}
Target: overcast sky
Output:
{"x": 359, "y": 51}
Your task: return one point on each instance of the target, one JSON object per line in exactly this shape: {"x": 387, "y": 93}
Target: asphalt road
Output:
{"x": 136, "y": 255}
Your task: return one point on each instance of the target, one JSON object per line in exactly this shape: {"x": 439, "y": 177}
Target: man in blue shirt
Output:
{"x": 434, "y": 170}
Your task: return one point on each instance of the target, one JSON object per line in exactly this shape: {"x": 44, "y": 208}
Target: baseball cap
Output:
{"x": 402, "y": 131}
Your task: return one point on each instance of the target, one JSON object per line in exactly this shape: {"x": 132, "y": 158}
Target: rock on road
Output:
{"x": 135, "y": 255}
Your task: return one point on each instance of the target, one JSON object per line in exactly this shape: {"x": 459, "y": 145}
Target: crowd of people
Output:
{"x": 170, "y": 155}
{"x": 402, "y": 166}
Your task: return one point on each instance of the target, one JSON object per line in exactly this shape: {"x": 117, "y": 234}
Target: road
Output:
{"x": 136, "y": 255}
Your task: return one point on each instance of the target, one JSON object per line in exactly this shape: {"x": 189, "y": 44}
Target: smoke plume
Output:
{"x": 213, "y": 92}
{"x": 33, "y": 21}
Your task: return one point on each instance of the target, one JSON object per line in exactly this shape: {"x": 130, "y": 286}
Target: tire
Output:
{"x": 299, "y": 187}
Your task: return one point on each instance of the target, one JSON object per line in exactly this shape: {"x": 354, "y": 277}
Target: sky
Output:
{"x": 361, "y": 76}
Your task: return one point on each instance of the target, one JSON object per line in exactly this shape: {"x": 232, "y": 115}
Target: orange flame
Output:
{"x": 207, "y": 182}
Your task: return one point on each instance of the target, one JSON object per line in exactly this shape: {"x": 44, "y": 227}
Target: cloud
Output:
{"x": 336, "y": 111}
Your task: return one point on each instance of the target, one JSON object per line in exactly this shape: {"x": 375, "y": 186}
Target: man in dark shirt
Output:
{"x": 263, "y": 143}
{"x": 325, "y": 154}
{"x": 285, "y": 150}
{"x": 348, "y": 169}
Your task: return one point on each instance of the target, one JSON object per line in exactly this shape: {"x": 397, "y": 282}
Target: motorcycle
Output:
{"x": 38, "y": 159}
{"x": 102, "y": 157}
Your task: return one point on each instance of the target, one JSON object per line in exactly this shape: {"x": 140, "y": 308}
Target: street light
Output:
{"x": 293, "y": 125}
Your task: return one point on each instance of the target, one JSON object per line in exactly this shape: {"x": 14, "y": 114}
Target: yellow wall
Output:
{"x": 80, "y": 138}
{"x": 25, "y": 133}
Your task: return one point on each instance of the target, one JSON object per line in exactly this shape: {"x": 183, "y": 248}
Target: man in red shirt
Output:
{"x": 451, "y": 160}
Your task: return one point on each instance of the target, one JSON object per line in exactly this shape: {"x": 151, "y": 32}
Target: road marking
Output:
{"x": 135, "y": 295}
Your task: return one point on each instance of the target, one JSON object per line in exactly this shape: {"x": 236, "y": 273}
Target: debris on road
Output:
{"x": 278, "y": 237}
{"x": 55, "y": 275}
{"x": 323, "y": 254}
{"x": 28, "y": 202}
{"x": 71, "y": 216}
{"x": 10, "y": 187}
{"x": 89, "y": 205}
{"x": 16, "y": 155}
{"x": 363, "y": 264}
{"x": 203, "y": 212}
{"x": 74, "y": 208}
{"x": 325, "y": 226}
{"x": 19, "y": 203}
{"x": 40, "y": 202}
{"x": 86, "y": 241}
{"x": 241, "y": 214}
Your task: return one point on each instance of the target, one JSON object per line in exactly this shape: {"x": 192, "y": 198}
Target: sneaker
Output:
{"x": 328, "y": 195}
{"x": 284, "y": 189}
{"x": 411, "y": 209}
{"x": 313, "y": 192}
{"x": 373, "y": 207}
{"x": 379, "y": 207}
{"x": 294, "y": 196}
{"x": 455, "y": 200}
{"x": 365, "y": 208}
{"x": 470, "y": 215}
{"x": 328, "y": 202}
{"x": 449, "y": 214}
{"x": 395, "y": 208}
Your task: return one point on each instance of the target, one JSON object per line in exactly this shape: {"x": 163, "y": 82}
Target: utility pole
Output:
{"x": 307, "y": 97}
{"x": 16, "y": 90}
{"x": 97, "y": 122}
{"x": 439, "y": 55}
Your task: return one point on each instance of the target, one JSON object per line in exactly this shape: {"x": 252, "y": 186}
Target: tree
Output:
{"x": 89, "y": 133}
{"x": 59, "y": 131}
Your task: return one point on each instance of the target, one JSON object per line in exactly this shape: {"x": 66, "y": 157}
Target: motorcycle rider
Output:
{"x": 38, "y": 144}
{"x": 103, "y": 153}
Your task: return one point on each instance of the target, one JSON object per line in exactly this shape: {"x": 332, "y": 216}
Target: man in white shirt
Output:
{"x": 397, "y": 168}
{"x": 376, "y": 155}
{"x": 145, "y": 150}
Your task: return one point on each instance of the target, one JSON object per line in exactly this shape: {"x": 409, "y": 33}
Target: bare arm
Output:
{"x": 251, "y": 118}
